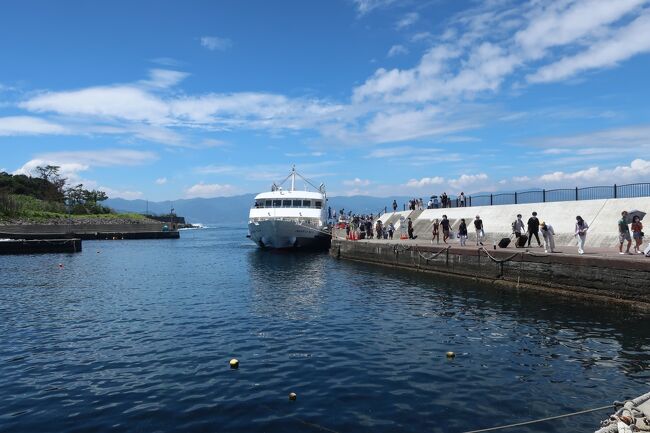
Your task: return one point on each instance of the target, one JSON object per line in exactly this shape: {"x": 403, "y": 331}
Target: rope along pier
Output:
{"x": 550, "y": 418}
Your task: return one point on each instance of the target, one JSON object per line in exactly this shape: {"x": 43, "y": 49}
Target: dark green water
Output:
{"x": 137, "y": 335}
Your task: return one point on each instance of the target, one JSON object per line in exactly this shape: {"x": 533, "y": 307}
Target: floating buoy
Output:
{"x": 97, "y": 252}
{"x": 234, "y": 363}
{"x": 451, "y": 355}
{"x": 293, "y": 396}
{"x": 60, "y": 265}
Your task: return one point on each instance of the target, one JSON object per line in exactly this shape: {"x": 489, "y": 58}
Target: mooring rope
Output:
{"x": 397, "y": 249}
{"x": 494, "y": 259}
{"x": 433, "y": 256}
{"x": 519, "y": 424}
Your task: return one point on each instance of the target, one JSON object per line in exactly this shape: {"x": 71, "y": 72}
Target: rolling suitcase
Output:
{"x": 504, "y": 242}
{"x": 646, "y": 252}
{"x": 521, "y": 241}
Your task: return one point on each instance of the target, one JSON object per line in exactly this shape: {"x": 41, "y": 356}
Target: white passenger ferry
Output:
{"x": 290, "y": 218}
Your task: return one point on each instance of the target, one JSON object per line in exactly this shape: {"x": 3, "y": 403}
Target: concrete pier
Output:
{"x": 87, "y": 231}
{"x": 40, "y": 246}
{"x": 600, "y": 275}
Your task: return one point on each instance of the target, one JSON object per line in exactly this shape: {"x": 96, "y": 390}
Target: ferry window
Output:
{"x": 319, "y": 204}
{"x": 297, "y": 203}
{"x": 259, "y": 203}
{"x": 277, "y": 203}
{"x": 286, "y": 203}
{"x": 306, "y": 203}
{"x": 268, "y": 203}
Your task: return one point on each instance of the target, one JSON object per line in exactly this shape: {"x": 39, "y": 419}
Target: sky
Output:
{"x": 169, "y": 100}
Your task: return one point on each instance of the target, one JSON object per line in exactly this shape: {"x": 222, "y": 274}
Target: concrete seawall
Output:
{"x": 601, "y": 215}
{"x": 599, "y": 278}
{"x": 40, "y": 246}
{"x": 87, "y": 231}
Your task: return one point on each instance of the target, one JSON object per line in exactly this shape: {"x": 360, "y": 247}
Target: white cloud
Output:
{"x": 125, "y": 194}
{"x": 100, "y": 158}
{"x": 468, "y": 180}
{"x": 366, "y": 6}
{"x": 638, "y": 170}
{"x": 215, "y": 169}
{"x": 26, "y": 125}
{"x": 161, "y": 181}
{"x": 625, "y": 43}
{"x": 561, "y": 22}
{"x": 112, "y": 102}
{"x": 397, "y": 50}
{"x": 204, "y": 190}
{"x": 407, "y": 20}
{"x": 164, "y": 78}
{"x": 213, "y": 43}
{"x": 356, "y": 182}
{"x": 73, "y": 163}
{"x": 425, "y": 181}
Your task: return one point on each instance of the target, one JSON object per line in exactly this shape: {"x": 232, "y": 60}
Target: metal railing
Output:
{"x": 554, "y": 195}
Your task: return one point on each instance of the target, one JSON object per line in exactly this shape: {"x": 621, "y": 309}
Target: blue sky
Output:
{"x": 169, "y": 100}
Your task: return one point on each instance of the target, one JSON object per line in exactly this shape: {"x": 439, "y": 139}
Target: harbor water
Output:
{"x": 138, "y": 335}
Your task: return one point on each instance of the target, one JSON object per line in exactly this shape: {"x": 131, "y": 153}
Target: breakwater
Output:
{"x": 87, "y": 231}
{"x": 40, "y": 246}
{"x": 593, "y": 277}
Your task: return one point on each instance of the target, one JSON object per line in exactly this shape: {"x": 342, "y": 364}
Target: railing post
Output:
{"x": 490, "y": 199}
{"x": 543, "y": 196}
{"x": 576, "y": 193}
{"x": 515, "y": 197}
{"x": 470, "y": 201}
{"x": 614, "y": 190}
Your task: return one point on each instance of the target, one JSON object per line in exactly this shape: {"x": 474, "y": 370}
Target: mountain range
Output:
{"x": 234, "y": 209}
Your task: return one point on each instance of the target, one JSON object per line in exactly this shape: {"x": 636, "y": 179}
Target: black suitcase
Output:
{"x": 521, "y": 241}
{"x": 503, "y": 243}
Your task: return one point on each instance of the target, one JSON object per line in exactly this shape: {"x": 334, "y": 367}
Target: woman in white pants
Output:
{"x": 549, "y": 237}
{"x": 581, "y": 233}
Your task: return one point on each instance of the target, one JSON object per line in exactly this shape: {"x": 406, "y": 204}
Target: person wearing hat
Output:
{"x": 478, "y": 225}
{"x": 549, "y": 237}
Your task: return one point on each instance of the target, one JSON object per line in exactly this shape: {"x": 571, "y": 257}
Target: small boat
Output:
{"x": 290, "y": 218}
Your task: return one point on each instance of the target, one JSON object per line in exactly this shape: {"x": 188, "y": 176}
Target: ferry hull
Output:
{"x": 287, "y": 234}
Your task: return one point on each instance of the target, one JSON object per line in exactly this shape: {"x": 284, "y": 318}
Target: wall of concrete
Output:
{"x": 78, "y": 228}
{"x": 596, "y": 278}
{"x": 601, "y": 215}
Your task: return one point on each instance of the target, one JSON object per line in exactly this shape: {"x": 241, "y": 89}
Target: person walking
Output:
{"x": 409, "y": 227}
{"x": 379, "y": 229}
{"x": 581, "y": 232}
{"x": 480, "y": 233}
{"x": 518, "y": 228}
{"x": 533, "y": 229}
{"x": 462, "y": 232}
{"x": 394, "y": 205}
{"x": 391, "y": 230}
{"x": 624, "y": 234}
{"x": 446, "y": 225}
{"x": 549, "y": 237}
{"x": 637, "y": 234}
{"x": 435, "y": 234}
{"x": 461, "y": 199}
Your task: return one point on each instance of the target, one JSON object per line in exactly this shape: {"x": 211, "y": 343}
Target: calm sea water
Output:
{"x": 137, "y": 335}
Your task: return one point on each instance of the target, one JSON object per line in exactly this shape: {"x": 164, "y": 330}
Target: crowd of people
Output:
{"x": 434, "y": 202}
{"x": 630, "y": 231}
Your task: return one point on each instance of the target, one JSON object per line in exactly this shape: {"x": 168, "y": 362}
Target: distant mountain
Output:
{"x": 235, "y": 209}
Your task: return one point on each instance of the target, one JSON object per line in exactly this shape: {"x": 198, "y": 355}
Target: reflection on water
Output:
{"x": 136, "y": 335}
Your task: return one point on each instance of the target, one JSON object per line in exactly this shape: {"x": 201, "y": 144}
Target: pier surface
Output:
{"x": 600, "y": 274}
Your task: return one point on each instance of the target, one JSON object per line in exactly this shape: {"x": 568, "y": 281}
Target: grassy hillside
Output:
{"x": 22, "y": 208}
